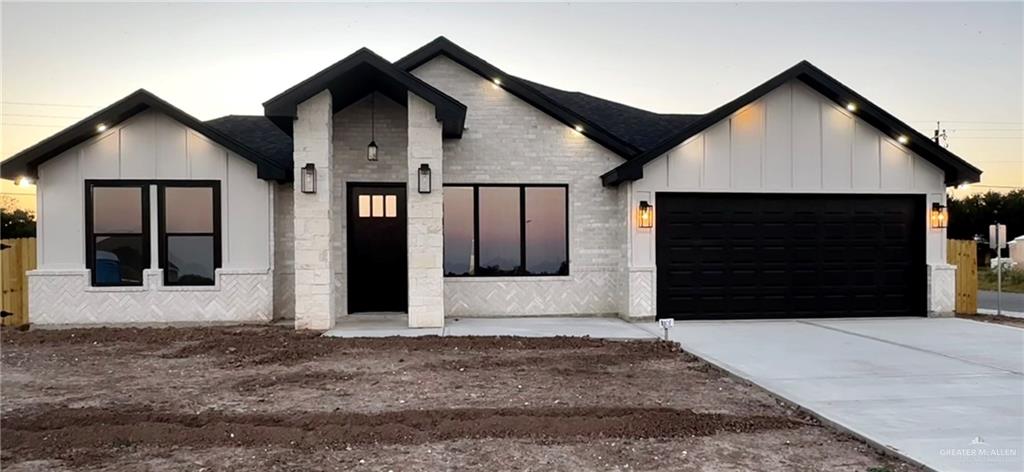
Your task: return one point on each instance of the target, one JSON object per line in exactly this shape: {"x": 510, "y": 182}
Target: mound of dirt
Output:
{"x": 39, "y": 433}
{"x": 256, "y": 345}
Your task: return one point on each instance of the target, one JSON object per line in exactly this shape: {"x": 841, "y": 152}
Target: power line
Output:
{"x": 954, "y": 138}
{"x": 986, "y": 129}
{"x": 40, "y": 104}
{"x": 32, "y": 125}
{"x": 30, "y": 115}
{"x": 972, "y": 122}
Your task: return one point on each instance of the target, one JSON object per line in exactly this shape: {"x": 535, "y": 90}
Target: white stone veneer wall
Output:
{"x": 941, "y": 289}
{"x": 509, "y": 141}
{"x": 426, "y": 238}
{"x": 313, "y": 216}
{"x": 351, "y": 136}
{"x": 284, "y": 251}
{"x": 67, "y": 297}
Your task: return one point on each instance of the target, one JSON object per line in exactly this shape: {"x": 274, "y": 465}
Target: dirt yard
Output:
{"x": 997, "y": 319}
{"x": 262, "y": 398}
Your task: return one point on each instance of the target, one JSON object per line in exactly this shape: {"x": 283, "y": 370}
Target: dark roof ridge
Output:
{"x": 368, "y": 71}
{"x": 518, "y": 87}
{"x": 955, "y": 169}
{"x": 577, "y": 92}
{"x": 26, "y": 162}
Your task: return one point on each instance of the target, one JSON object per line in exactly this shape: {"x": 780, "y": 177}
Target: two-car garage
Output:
{"x": 734, "y": 255}
{"x": 798, "y": 199}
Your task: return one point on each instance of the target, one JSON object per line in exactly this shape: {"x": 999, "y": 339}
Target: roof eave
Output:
{"x": 955, "y": 169}
{"x": 26, "y": 163}
{"x": 282, "y": 109}
{"x": 515, "y": 86}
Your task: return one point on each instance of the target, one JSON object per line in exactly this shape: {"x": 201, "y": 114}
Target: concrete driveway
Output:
{"x": 946, "y": 393}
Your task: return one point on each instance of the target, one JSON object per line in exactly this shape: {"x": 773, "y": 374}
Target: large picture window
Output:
{"x": 117, "y": 232}
{"x": 189, "y": 232}
{"x": 506, "y": 230}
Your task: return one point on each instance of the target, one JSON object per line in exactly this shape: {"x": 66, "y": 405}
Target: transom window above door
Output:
{"x": 378, "y": 206}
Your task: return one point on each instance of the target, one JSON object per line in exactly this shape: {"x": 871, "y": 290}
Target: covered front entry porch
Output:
{"x": 367, "y": 200}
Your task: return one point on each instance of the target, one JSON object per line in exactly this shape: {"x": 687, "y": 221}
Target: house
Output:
{"x": 440, "y": 186}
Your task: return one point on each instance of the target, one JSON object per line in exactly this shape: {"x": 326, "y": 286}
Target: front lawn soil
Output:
{"x": 997, "y": 319}
{"x": 270, "y": 398}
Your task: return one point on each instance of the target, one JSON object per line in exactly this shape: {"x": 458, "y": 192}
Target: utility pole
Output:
{"x": 940, "y": 134}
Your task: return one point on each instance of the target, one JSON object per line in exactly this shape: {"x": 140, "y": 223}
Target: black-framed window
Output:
{"x": 116, "y": 232}
{"x": 506, "y": 230}
{"x": 190, "y": 247}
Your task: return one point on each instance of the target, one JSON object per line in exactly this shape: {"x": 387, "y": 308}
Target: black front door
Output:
{"x": 377, "y": 270}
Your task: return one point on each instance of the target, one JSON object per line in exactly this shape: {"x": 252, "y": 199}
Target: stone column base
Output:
{"x": 640, "y": 293}
{"x": 941, "y": 289}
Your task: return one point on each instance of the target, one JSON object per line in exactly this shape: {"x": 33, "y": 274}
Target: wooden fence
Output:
{"x": 17, "y": 257}
{"x": 964, "y": 255}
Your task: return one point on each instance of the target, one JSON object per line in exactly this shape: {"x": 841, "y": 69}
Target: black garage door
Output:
{"x": 781, "y": 256}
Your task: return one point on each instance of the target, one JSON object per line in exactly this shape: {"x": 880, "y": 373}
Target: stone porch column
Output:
{"x": 313, "y": 214}
{"x": 425, "y": 246}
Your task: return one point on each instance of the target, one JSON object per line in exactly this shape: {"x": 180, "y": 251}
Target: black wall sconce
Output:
{"x": 645, "y": 215}
{"x": 424, "y": 178}
{"x": 940, "y": 216}
{"x": 309, "y": 178}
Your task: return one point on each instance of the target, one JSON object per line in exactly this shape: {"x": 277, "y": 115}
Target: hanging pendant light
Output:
{"x": 371, "y": 150}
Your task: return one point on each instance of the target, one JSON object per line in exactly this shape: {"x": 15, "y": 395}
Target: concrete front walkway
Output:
{"x": 946, "y": 393}
{"x": 383, "y": 325}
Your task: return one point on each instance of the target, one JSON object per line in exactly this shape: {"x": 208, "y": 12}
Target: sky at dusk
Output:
{"x": 961, "y": 63}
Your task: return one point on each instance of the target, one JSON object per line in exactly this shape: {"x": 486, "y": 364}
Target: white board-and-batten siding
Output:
{"x": 152, "y": 146}
{"x": 792, "y": 140}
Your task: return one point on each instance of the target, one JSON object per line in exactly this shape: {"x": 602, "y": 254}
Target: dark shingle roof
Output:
{"x": 259, "y": 133}
{"x": 641, "y": 128}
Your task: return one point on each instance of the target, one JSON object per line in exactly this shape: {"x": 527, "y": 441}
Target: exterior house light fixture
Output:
{"x": 851, "y": 106}
{"x": 423, "y": 184}
{"x": 645, "y": 215}
{"x": 497, "y": 81}
{"x": 940, "y": 216}
{"x": 578, "y": 128}
{"x": 903, "y": 139}
{"x": 309, "y": 178}
{"x": 101, "y": 128}
{"x": 371, "y": 149}
{"x": 24, "y": 181}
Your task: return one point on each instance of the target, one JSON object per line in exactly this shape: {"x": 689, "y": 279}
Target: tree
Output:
{"x": 971, "y": 216}
{"x": 17, "y": 223}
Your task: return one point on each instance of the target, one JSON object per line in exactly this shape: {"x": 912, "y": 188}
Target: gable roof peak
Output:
{"x": 27, "y": 162}
{"x": 520, "y": 88}
{"x": 357, "y": 75}
{"x": 956, "y": 170}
